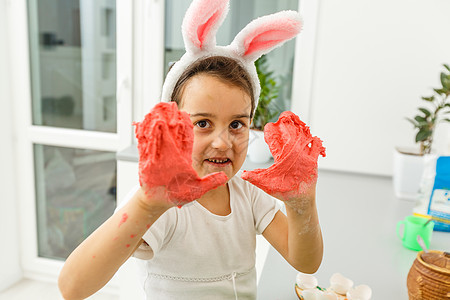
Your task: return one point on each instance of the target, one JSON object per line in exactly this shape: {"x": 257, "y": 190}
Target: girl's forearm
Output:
{"x": 95, "y": 261}
{"x": 305, "y": 244}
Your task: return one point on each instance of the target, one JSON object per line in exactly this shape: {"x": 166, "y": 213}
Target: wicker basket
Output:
{"x": 427, "y": 281}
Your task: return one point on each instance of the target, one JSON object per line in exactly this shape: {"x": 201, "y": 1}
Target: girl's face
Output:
{"x": 220, "y": 113}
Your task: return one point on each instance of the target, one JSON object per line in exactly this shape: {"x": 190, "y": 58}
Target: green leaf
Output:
{"x": 440, "y": 91}
{"x": 444, "y": 80}
{"x": 430, "y": 99}
{"x": 447, "y": 67}
{"x": 422, "y": 135}
{"x": 446, "y": 120}
{"x": 269, "y": 93}
{"x": 425, "y": 111}
{"x": 420, "y": 119}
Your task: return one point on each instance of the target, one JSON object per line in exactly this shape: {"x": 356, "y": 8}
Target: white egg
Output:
{"x": 360, "y": 292}
{"x": 340, "y": 284}
{"x": 306, "y": 281}
{"x": 327, "y": 296}
{"x": 311, "y": 294}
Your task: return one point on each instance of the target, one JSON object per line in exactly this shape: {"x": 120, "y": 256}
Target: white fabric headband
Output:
{"x": 201, "y": 22}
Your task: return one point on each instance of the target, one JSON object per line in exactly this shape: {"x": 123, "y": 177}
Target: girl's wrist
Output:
{"x": 151, "y": 202}
{"x": 303, "y": 204}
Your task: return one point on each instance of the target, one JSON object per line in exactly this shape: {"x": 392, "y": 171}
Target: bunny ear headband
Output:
{"x": 201, "y": 22}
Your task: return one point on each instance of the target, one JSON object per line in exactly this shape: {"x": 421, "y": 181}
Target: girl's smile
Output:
{"x": 220, "y": 113}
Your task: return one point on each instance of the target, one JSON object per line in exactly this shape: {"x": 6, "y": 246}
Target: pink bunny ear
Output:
{"x": 201, "y": 22}
{"x": 264, "y": 34}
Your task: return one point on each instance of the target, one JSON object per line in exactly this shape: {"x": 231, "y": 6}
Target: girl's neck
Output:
{"x": 217, "y": 201}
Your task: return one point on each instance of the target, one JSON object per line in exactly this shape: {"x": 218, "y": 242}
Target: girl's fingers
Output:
{"x": 185, "y": 138}
{"x": 212, "y": 181}
{"x": 274, "y": 138}
{"x": 317, "y": 148}
{"x": 187, "y": 187}
{"x": 155, "y": 141}
{"x": 252, "y": 176}
{"x": 258, "y": 178}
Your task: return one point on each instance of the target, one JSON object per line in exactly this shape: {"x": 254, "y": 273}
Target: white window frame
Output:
{"x": 27, "y": 134}
{"x": 148, "y": 55}
{"x": 305, "y": 58}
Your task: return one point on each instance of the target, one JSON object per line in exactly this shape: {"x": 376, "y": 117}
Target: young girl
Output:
{"x": 193, "y": 220}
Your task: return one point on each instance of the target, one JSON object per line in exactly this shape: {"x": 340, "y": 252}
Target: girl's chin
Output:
{"x": 210, "y": 169}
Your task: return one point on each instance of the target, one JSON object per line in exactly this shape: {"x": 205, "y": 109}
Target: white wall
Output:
{"x": 373, "y": 62}
{"x": 10, "y": 270}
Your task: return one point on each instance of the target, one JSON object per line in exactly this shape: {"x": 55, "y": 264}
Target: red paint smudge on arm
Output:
{"x": 128, "y": 245}
{"x": 132, "y": 236}
{"x": 148, "y": 226}
{"x": 124, "y": 219}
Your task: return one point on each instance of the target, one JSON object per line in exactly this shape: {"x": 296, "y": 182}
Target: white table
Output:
{"x": 358, "y": 215}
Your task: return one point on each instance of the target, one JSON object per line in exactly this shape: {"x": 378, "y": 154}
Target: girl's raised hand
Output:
{"x": 295, "y": 151}
{"x": 165, "y": 140}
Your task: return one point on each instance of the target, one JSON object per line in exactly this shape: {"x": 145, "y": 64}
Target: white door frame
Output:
{"x": 27, "y": 134}
{"x": 148, "y": 55}
{"x": 304, "y": 62}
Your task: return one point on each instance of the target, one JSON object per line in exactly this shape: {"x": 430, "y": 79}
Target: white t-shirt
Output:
{"x": 195, "y": 254}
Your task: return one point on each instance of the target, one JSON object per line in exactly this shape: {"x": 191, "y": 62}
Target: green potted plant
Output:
{"x": 266, "y": 111}
{"x": 425, "y": 122}
{"x": 409, "y": 165}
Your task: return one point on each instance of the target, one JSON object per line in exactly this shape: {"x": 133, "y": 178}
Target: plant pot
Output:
{"x": 258, "y": 150}
{"x": 408, "y": 168}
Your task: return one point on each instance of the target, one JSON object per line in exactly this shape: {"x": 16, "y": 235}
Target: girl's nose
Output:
{"x": 222, "y": 140}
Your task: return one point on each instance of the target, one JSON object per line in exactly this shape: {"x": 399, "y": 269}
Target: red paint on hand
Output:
{"x": 295, "y": 152}
{"x": 124, "y": 219}
{"x": 165, "y": 142}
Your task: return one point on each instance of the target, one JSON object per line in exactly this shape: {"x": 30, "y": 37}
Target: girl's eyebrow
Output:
{"x": 201, "y": 115}
{"x": 241, "y": 116}
{"x": 208, "y": 115}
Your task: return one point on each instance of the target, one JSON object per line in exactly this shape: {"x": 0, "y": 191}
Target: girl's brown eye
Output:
{"x": 202, "y": 124}
{"x": 236, "y": 125}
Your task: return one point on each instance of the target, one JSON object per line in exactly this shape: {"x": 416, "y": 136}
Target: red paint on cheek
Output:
{"x": 124, "y": 219}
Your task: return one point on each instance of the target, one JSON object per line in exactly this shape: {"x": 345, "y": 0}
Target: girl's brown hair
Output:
{"x": 222, "y": 67}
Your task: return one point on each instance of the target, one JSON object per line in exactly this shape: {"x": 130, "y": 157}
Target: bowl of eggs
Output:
{"x": 340, "y": 288}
